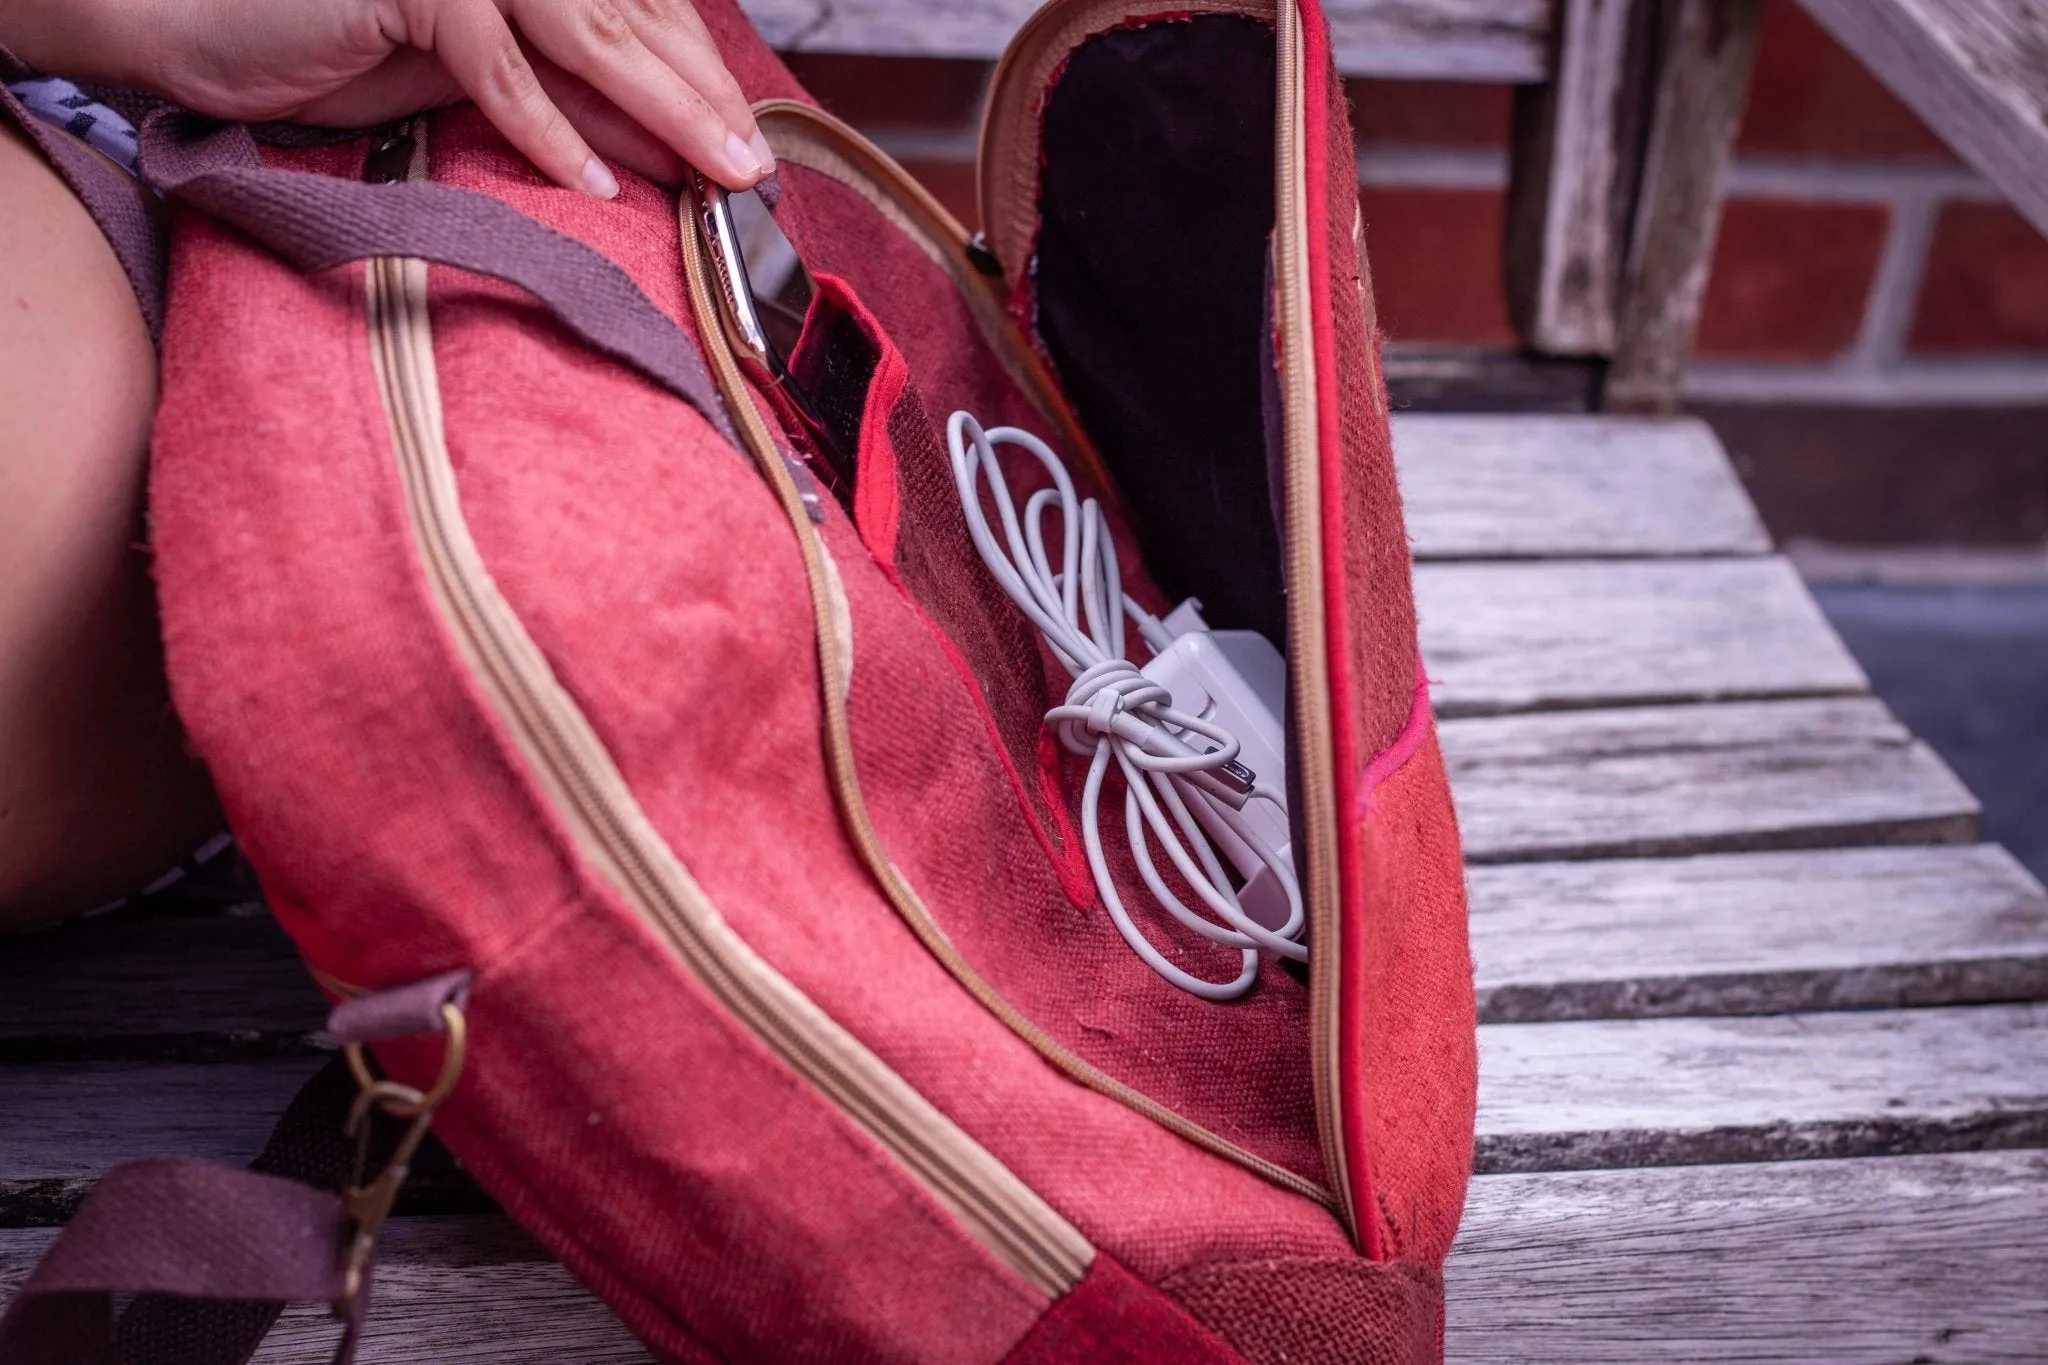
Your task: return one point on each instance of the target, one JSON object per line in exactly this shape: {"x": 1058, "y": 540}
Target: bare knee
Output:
{"x": 96, "y": 792}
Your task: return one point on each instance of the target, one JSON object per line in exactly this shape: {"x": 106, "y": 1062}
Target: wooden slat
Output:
{"x": 1473, "y": 40}
{"x": 1702, "y": 78}
{"x": 448, "y": 1289}
{"x": 1573, "y": 179}
{"x": 60, "y": 1127}
{"x": 464, "y": 1289}
{"x": 1663, "y": 1092}
{"x": 132, "y": 987}
{"x": 1618, "y": 1092}
{"x": 1466, "y": 40}
{"x": 1860, "y": 1262}
{"x": 1531, "y": 636}
{"x": 1757, "y": 933}
{"x": 1658, "y": 780}
{"x": 1976, "y": 70}
{"x": 1926, "y": 1258}
{"x": 1494, "y": 487}
{"x": 1715, "y": 934}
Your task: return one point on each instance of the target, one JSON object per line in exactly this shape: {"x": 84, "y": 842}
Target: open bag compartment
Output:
{"x": 1136, "y": 337}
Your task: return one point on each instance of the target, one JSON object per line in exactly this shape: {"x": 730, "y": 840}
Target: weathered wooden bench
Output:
{"x": 1764, "y": 1055}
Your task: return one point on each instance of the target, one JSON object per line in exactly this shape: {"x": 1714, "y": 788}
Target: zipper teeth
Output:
{"x": 587, "y": 791}
{"x": 1308, "y": 640}
{"x": 835, "y": 663}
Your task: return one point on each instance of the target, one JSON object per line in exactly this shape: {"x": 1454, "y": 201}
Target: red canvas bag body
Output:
{"x": 794, "y": 1025}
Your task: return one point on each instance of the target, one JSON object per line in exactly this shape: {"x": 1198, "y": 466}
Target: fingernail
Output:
{"x": 598, "y": 180}
{"x": 762, "y": 154}
{"x": 745, "y": 165}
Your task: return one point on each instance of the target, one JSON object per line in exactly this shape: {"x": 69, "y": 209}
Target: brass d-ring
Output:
{"x": 457, "y": 1029}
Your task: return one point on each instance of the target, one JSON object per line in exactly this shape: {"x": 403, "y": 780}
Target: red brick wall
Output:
{"x": 1854, "y": 245}
{"x": 1986, "y": 283}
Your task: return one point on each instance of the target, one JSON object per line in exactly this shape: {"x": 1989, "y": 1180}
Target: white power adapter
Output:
{"x": 1235, "y": 679}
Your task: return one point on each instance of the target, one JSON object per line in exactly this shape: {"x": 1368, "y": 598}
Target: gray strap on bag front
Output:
{"x": 319, "y": 221}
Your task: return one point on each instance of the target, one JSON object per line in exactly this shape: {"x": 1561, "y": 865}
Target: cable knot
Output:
{"x": 1122, "y": 720}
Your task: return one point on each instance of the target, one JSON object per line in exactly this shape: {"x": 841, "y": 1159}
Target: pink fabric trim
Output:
{"x": 1388, "y": 761}
{"x": 876, "y": 506}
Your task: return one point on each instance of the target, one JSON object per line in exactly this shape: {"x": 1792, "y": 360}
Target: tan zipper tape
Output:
{"x": 835, "y": 655}
{"x": 804, "y": 135}
{"x": 585, "y": 789}
{"x": 1307, "y": 631}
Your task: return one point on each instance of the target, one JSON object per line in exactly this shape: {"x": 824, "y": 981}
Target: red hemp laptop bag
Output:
{"x": 706, "y": 826}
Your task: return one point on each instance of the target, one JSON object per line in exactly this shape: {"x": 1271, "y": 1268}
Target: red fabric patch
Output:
{"x": 1336, "y": 1311}
{"x": 1114, "y": 1318}
{"x": 1410, "y": 1027}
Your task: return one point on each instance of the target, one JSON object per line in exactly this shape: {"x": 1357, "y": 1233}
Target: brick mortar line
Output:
{"x": 1824, "y": 181}
{"x": 1990, "y": 380}
{"x": 1876, "y": 370}
{"x": 1396, "y": 166}
{"x": 1893, "y": 299}
{"x": 1391, "y": 165}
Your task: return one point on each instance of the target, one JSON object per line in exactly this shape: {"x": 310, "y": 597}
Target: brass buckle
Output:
{"x": 368, "y": 1202}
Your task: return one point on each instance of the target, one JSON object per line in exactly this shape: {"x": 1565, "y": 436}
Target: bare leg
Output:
{"x": 97, "y": 793}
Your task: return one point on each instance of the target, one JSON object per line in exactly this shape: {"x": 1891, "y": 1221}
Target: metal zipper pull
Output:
{"x": 391, "y": 152}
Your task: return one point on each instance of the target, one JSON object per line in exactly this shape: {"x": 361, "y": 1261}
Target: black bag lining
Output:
{"x": 1156, "y": 210}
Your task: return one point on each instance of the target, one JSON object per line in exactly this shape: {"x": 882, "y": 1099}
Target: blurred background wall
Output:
{"x": 1874, "y": 346}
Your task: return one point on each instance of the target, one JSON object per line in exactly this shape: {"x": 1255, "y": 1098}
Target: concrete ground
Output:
{"x": 1965, "y": 666}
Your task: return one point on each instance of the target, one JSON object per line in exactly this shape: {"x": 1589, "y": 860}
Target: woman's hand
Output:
{"x": 639, "y": 80}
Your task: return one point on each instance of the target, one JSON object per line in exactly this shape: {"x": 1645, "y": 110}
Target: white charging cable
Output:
{"x": 1114, "y": 712}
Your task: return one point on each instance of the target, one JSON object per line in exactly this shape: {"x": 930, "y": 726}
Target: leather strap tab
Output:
{"x": 172, "y": 1225}
{"x": 401, "y": 1011}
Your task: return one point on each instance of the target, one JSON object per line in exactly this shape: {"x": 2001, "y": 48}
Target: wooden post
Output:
{"x": 1975, "y": 70}
{"x": 1572, "y": 182}
{"x": 1702, "y": 77}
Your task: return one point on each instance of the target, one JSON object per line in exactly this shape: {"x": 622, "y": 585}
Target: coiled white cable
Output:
{"x": 1115, "y": 713}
